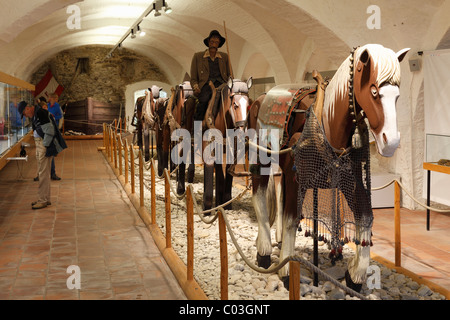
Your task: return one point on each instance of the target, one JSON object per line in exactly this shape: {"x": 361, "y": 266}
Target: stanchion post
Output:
{"x": 132, "y": 169}
{"x": 168, "y": 215}
{"x": 120, "y": 155}
{"x": 111, "y": 145}
{"x": 398, "y": 240}
{"x": 190, "y": 234}
{"x": 294, "y": 280}
{"x": 125, "y": 155}
{"x": 141, "y": 179}
{"x": 223, "y": 257}
{"x": 152, "y": 192}
{"x": 115, "y": 150}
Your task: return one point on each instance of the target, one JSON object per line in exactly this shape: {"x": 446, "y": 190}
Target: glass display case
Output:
{"x": 12, "y": 126}
{"x": 437, "y": 148}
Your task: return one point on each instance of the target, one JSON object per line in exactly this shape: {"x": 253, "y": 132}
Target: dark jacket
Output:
{"x": 200, "y": 68}
{"x": 44, "y": 124}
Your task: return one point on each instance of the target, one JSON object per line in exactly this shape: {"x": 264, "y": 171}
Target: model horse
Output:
{"x": 367, "y": 81}
{"x": 153, "y": 115}
{"x": 183, "y": 113}
{"x": 230, "y": 113}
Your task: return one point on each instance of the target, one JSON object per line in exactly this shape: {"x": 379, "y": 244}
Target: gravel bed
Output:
{"x": 246, "y": 284}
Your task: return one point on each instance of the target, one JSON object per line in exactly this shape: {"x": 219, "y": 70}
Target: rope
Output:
{"x": 277, "y": 267}
{"x": 411, "y": 196}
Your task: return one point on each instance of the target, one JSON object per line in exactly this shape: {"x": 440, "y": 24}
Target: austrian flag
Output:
{"x": 47, "y": 86}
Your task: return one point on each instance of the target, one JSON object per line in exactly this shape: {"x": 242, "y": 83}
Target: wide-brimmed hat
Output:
{"x": 214, "y": 33}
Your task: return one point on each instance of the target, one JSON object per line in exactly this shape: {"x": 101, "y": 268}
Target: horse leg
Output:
{"x": 208, "y": 175}
{"x": 191, "y": 167}
{"x": 159, "y": 152}
{"x": 360, "y": 205}
{"x": 355, "y": 276}
{"x": 146, "y": 143}
{"x": 181, "y": 174}
{"x": 263, "y": 199}
{"x": 228, "y": 188}
{"x": 279, "y": 212}
{"x": 289, "y": 224}
{"x": 220, "y": 184}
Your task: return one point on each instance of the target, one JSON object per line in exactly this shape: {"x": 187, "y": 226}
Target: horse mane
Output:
{"x": 385, "y": 61}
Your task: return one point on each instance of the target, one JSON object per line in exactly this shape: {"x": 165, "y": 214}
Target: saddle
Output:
{"x": 279, "y": 107}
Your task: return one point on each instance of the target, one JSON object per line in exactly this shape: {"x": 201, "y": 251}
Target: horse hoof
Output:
{"x": 263, "y": 261}
{"x": 349, "y": 282}
{"x": 285, "y": 282}
{"x": 180, "y": 190}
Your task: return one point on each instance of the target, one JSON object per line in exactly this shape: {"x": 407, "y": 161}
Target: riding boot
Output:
{"x": 160, "y": 161}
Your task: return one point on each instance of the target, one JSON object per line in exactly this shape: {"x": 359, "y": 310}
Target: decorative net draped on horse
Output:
{"x": 334, "y": 187}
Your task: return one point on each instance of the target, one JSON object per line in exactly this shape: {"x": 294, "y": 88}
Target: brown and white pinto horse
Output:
{"x": 153, "y": 114}
{"x": 183, "y": 114}
{"x": 376, "y": 80}
{"x": 231, "y": 115}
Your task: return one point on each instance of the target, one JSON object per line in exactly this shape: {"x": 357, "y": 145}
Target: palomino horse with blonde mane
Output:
{"x": 362, "y": 95}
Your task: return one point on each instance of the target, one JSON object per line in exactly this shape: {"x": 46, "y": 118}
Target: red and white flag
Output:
{"x": 47, "y": 86}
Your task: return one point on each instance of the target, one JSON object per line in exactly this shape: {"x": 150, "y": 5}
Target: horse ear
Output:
{"x": 230, "y": 83}
{"x": 402, "y": 53}
{"x": 249, "y": 82}
{"x": 364, "y": 57}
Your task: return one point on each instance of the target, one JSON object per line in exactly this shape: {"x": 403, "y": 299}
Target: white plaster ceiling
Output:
{"x": 279, "y": 38}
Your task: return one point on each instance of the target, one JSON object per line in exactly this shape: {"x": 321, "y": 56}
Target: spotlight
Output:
{"x": 132, "y": 34}
{"x": 157, "y": 13}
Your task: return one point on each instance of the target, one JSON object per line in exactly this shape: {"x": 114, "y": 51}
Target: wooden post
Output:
{"x": 125, "y": 156}
{"x": 111, "y": 145}
{"x": 104, "y": 135}
{"x": 223, "y": 257}
{"x": 168, "y": 215}
{"x": 132, "y": 169}
{"x": 141, "y": 179}
{"x": 294, "y": 280}
{"x": 115, "y": 150}
{"x": 152, "y": 192}
{"x": 190, "y": 234}
{"x": 398, "y": 240}
{"x": 120, "y": 156}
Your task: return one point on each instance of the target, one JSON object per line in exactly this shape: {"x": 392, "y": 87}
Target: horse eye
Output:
{"x": 374, "y": 92}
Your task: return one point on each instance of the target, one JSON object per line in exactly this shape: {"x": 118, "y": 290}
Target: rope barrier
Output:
{"x": 220, "y": 209}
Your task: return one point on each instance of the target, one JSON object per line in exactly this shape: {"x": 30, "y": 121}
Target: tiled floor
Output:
{"x": 91, "y": 224}
{"x": 426, "y": 253}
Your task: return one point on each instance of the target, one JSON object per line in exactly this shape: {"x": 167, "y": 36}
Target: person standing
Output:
{"x": 46, "y": 148}
{"x": 209, "y": 65}
{"x": 55, "y": 109}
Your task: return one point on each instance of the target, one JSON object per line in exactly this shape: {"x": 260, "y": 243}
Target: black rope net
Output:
{"x": 334, "y": 187}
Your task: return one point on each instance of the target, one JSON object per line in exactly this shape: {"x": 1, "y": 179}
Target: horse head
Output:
{"x": 239, "y": 100}
{"x": 376, "y": 91}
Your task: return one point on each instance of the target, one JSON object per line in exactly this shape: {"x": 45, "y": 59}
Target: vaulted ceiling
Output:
{"x": 283, "y": 39}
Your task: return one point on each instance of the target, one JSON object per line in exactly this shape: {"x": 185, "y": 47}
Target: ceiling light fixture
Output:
{"x": 156, "y": 6}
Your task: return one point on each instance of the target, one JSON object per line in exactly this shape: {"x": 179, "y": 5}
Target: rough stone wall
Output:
{"x": 105, "y": 80}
